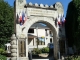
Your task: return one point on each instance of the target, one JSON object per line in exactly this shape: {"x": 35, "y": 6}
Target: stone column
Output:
{"x": 13, "y": 48}
{"x": 55, "y": 48}
{"x": 27, "y": 49}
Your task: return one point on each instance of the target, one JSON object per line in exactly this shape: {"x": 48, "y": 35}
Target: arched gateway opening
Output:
{"x": 25, "y": 16}
{"x": 49, "y": 23}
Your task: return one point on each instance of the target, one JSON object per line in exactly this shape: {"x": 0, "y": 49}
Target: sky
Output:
{"x": 48, "y": 2}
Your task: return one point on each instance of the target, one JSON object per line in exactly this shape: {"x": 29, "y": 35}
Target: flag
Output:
{"x": 23, "y": 17}
{"x": 20, "y": 18}
{"x": 59, "y": 20}
{"x": 63, "y": 20}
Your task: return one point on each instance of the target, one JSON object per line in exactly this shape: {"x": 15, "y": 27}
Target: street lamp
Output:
{"x": 37, "y": 35}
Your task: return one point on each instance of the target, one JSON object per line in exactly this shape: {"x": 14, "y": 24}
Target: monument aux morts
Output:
{"x": 25, "y": 15}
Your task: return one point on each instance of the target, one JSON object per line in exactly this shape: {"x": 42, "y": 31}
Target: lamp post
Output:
{"x": 37, "y": 35}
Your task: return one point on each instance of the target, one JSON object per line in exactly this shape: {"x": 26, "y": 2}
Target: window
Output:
{"x": 46, "y": 32}
{"x": 41, "y": 41}
{"x": 51, "y": 40}
{"x": 31, "y": 31}
{"x": 50, "y": 34}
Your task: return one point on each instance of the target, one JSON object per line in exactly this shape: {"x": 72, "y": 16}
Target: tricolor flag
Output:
{"x": 59, "y": 20}
{"x": 20, "y": 18}
{"x": 63, "y": 20}
{"x": 23, "y": 17}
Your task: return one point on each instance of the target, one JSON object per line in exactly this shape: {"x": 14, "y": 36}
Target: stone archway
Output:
{"x": 48, "y": 22}
{"x": 34, "y": 13}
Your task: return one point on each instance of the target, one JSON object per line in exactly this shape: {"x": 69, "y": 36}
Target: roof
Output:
{"x": 31, "y": 36}
{"x": 39, "y": 25}
{"x": 7, "y": 44}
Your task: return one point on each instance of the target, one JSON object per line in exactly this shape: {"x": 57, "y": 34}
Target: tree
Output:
{"x": 71, "y": 23}
{"x": 6, "y": 22}
{"x": 77, "y": 33}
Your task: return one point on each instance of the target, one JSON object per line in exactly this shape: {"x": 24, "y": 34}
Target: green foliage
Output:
{"x": 71, "y": 23}
{"x": 6, "y": 22}
{"x": 36, "y": 51}
{"x": 2, "y": 57}
{"x": 77, "y": 33}
{"x": 77, "y": 3}
{"x": 45, "y": 50}
{"x": 39, "y": 51}
{"x": 73, "y": 58}
{"x": 2, "y": 51}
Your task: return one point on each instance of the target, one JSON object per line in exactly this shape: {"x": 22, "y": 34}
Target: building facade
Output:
{"x": 43, "y": 33}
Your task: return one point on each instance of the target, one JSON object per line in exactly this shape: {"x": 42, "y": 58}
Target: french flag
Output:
{"x": 59, "y": 20}
{"x": 63, "y": 20}
{"x": 23, "y": 17}
{"x": 20, "y": 18}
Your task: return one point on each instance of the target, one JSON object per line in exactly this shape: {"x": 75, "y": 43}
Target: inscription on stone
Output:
{"x": 41, "y": 12}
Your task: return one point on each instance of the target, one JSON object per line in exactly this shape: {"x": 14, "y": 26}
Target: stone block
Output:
{"x": 13, "y": 58}
{"x": 13, "y": 42}
{"x": 14, "y": 54}
{"x": 13, "y": 50}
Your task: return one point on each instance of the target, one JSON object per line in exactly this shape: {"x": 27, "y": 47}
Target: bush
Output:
{"x": 45, "y": 50}
{"x": 2, "y": 57}
{"x": 36, "y": 51}
{"x": 2, "y": 51}
{"x": 39, "y": 51}
{"x": 73, "y": 58}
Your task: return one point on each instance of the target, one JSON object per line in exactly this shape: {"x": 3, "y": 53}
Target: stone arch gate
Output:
{"x": 25, "y": 16}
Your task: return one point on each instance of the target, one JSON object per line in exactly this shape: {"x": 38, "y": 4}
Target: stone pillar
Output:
{"x": 27, "y": 49}
{"x": 55, "y": 48}
{"x": 13, "y": 48}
